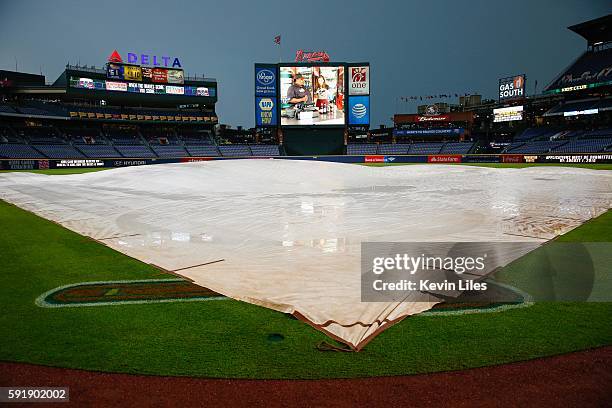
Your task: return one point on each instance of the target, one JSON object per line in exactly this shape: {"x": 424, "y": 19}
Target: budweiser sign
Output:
{"x": 439, "y": 118}
{"x": 311, "y": 56}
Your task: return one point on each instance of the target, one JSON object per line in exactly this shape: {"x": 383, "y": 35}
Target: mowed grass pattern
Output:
{"x": 228, "y": 338}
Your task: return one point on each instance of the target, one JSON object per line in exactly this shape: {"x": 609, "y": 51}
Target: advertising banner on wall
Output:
{"x": 359, "y": 80}
{"x": 512, "y": 88}
{"x": 359, "y": 110}
{"x": 265, "y": 111}
{"x": 265, "y": 80}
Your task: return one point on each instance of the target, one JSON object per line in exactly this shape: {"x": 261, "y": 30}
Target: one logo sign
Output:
{"x": 359, "y": 110}
{"x": 359, "y": 81}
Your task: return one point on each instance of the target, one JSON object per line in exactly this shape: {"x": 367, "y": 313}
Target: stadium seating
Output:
{"x": 18, "y": 151}
{"x": 425, "y": 148}
{"x": 203, "y": 151}
{"x": 135, "y": 151}
{"x": 60, "y": 152}
{"x": 235, "y": 150}
{"x": 456, "y": 148}
{"x": 584, "y": 146}
{"x": 265, "y": 150}
{"x": 361, "y": 148}
{"x": 4, "y": 108}
{"x": 98, "y": 151}
{"x": 537, "y": 147}
{"x": 398, "y": 148}
{"x": 169, "y": 151}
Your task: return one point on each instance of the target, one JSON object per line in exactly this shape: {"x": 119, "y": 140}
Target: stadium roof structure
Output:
{"x": 595, "y": 31}
{"x": 593, "y": 68}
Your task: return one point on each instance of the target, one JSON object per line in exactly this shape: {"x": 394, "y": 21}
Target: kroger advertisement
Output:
{"x": 312, "y": 95}
{"x": 265, "y": 111}
{"x": 359, "y": 110}
{"x": 265, "y": 80}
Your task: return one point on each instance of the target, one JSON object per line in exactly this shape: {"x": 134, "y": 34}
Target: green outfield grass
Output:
{"x": 227, "y": 338}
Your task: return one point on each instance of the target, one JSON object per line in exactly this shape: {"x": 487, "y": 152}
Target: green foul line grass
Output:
{"x": 233, "y": 339}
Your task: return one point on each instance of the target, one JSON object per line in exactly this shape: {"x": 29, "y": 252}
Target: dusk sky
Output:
{"x": 414, "y": 47}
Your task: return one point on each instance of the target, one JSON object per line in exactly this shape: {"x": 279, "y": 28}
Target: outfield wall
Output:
{"x": 32, "y": 164}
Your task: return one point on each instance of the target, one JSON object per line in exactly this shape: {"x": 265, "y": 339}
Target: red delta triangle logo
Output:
{"x": 115, "y": 57}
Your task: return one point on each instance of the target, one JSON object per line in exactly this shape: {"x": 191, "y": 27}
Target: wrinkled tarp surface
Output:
{"x": 286, "y": 234}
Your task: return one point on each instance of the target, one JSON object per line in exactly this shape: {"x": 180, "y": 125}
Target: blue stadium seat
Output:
{"x": 235, "y": 150}
{"x": 265, "y": 150}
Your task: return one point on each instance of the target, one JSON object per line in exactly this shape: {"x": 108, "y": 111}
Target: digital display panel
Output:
{"x": 132, "y": 73}
{"x": 312, "y": 95}
{"x": 512, "y": 88}
{"x": 144, "y": 74}
{"x": 508, "y": 114}
{"x": 142, "y": 88}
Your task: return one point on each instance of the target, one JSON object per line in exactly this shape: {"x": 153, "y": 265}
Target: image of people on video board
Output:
{"x": 312, "y": 95}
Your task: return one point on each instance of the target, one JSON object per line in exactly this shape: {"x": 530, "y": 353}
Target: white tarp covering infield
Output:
{"x": 286, "y": 234}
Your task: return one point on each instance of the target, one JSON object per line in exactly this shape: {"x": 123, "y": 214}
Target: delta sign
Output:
{"x": 146, "y": 60}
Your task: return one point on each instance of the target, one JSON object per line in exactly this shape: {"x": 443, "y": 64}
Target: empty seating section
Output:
{"x": 538, "y": 147}
{"x": 456, "y": 148}
{"x": 419, "y": 148}
{"x": 40, "y": 135}
{"x": 532, "y": 133}
{"x": 398, "y": 148}
{"x": 135, "y": 151}
{"x": 425, "y": 148}
{"x": 203, "y": 151}
{"x": 124, "y": 137}
{"x": 265, "y": 150}
{"x": 359, "y": 148}
{"x": 18, "y": 151}
{"x": 235, "y": 150}
{"x": 169, "y": 151}
{"x": 584, "y": 146}
{"x": 98, "y": 151}
{"x": 547, "y": 140}
{"x": 60, "y": 152}
{"x": 4, "y": 108}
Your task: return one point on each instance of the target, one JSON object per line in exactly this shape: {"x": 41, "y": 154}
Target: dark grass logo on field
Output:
{"x": 90, "y": 294}
{"x": 125, "y": 292}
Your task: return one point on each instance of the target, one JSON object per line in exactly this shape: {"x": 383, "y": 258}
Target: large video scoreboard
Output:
{"x": 312, "y": 94}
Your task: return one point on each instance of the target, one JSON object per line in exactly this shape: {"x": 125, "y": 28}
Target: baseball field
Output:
{"x": 70, "y": 302}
